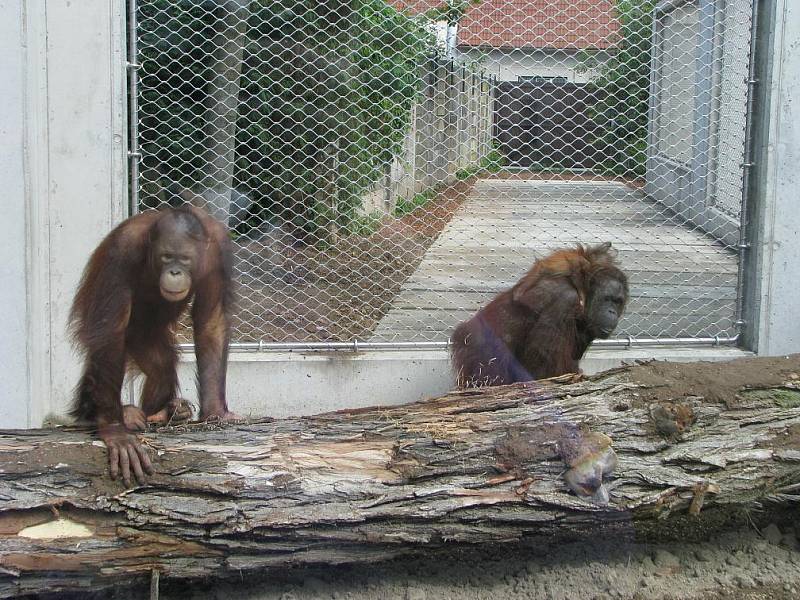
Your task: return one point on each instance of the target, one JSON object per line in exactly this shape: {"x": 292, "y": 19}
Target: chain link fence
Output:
{"x": 386, "y": 167}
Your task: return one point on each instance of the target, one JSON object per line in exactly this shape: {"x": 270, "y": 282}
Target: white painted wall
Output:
{"x": 508, "y": 65}
{"x": 13, "y": 304}
{"x": 86, "y": 150}
{"x": 62, "y": 122}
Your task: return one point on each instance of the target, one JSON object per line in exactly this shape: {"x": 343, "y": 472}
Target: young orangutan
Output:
{"x": 134, "y": 289}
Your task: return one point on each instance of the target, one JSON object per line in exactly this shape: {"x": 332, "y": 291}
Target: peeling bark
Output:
{"x": 488, "y": 465}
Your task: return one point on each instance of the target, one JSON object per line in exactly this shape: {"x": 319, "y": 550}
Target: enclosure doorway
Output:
{"x": 547, "y": 125}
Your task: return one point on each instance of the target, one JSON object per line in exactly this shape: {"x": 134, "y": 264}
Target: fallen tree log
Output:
{"x": 489, "y": 465}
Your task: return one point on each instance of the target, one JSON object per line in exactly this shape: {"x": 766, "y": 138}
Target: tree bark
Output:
{"x": 487, "y": 465}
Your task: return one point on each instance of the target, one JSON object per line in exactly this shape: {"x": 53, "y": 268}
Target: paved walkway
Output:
{"x": 683, "y": 283}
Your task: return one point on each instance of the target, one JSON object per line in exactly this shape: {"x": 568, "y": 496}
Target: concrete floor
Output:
{"x": 683, "y": 283}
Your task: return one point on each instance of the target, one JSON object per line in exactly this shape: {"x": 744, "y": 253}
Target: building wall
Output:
{"x": 508, "y": 65}
{"x": 451, "y": 129}
{"x": 697, "y": 117}
{"x": 729, "y": 124}
{"x": 307, "y": 383}
{"x": 773, "y": 259}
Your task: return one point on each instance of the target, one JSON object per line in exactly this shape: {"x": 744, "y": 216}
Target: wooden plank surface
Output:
{"x": 683, "y": 282}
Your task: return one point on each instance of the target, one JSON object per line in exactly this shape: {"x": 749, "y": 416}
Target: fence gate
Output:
{"x": 387, "y": 166}
{"x": 543, "y": 125}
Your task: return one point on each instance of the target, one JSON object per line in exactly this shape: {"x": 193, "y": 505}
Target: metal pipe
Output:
{"x": 747, "y": 165}
{"x": 642, "y": 342}
{"x": 357, "y": 346}
{"x": 354, "y": 346}
{"x": 134, "y": 154}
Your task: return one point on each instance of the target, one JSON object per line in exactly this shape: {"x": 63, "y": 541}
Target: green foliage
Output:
{"x": 623, "y": 89}
{"x": 494, "y": 161}
{"x": 468, "y": 172}
{"x": 175, "y": 43}
{"x": 325, "y": 99}
{"x": 404, "y": 206}
{"x": 365, "y": 225}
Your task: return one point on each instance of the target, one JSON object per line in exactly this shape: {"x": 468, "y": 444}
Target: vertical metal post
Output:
{"x": 747, "y": 166}
{"x": 134, "y": 154}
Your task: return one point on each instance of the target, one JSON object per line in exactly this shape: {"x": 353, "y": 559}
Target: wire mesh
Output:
{"x": 386, "y": 167}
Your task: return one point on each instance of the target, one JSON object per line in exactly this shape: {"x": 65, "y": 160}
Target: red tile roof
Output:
{"x": 563, "y": 24}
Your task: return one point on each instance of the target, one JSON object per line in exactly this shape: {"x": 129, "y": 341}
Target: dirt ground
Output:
{"x": 741, "y": 565}
{"x": 716, "y": 382}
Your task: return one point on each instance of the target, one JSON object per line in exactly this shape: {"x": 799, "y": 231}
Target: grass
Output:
{"x": 405, "y": 205}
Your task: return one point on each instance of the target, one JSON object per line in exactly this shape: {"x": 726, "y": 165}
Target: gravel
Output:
{"x": 738, "y": 565}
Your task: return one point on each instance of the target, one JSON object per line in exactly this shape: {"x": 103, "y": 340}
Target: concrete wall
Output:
{"x": 730, "y": 104}
{"x": 697, "y": 112}
{"x": 14, "y": 381}
{"x": 62, "y": 123}
{"x": 773, "y": 260}
{"x": 281, "y": 384}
